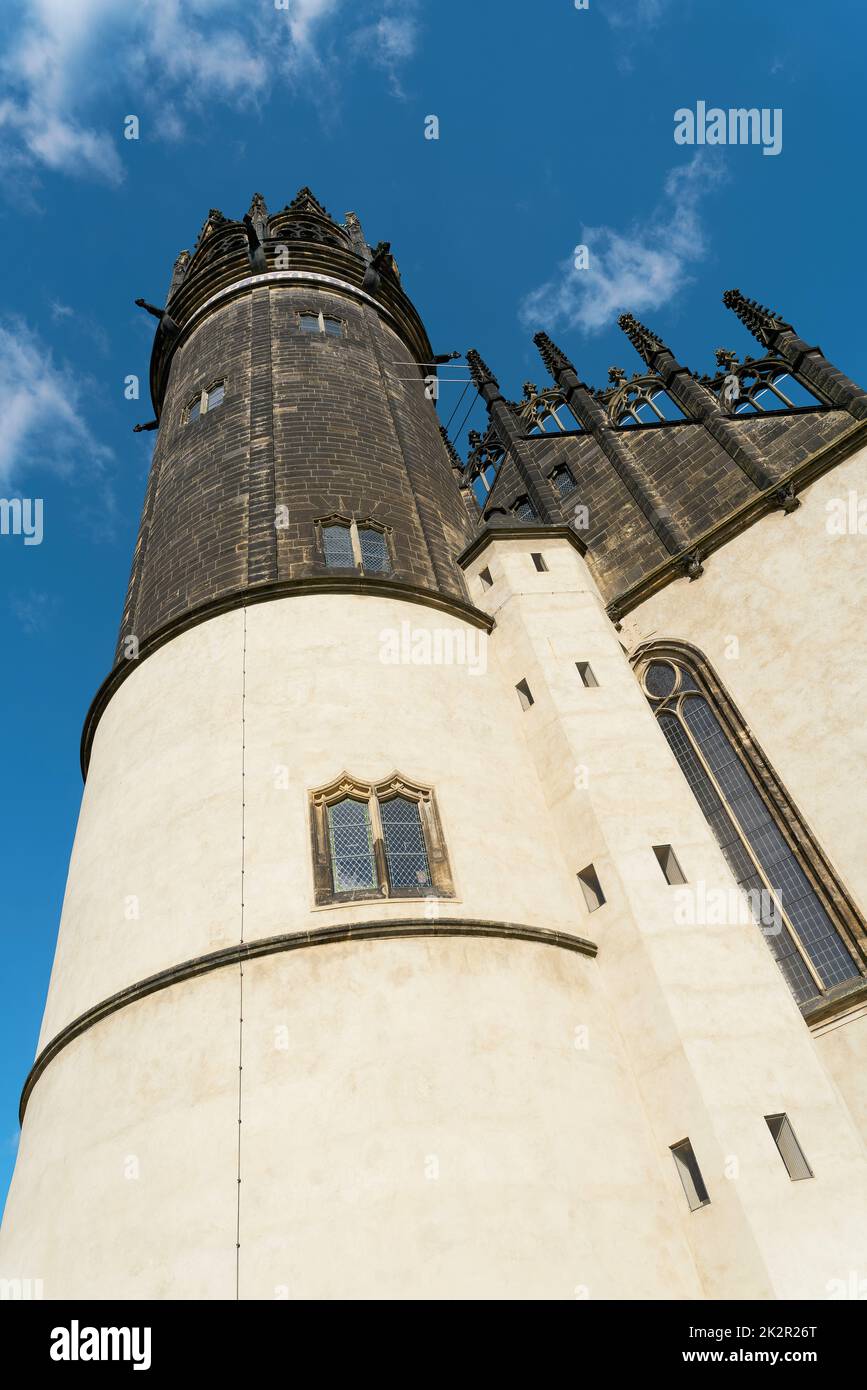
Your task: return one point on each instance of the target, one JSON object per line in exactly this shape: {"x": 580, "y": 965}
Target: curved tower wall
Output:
{"x": 454, "y": 1097}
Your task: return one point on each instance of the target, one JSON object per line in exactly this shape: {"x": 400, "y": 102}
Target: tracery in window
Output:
{"x": 815, "y": 946}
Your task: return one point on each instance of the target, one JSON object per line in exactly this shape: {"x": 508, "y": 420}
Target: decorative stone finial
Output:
{"x": 762, "y": 322}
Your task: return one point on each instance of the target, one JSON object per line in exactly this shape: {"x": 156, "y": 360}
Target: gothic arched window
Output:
{"x": 793, "y": 892}
{"x": 374, "y": 840}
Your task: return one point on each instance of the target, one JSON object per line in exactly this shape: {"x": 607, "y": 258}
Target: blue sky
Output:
{"x": 556, "y": 128}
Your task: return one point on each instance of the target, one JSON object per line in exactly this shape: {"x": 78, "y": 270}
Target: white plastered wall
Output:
{"x": 780, "y": 614}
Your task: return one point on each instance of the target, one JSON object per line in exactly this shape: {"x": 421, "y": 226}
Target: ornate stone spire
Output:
{"x": 645, "y": 342}
{"x": 258, "y": 215}
{"x": 304, "y": 201}
{"x": 553, "y": 357}
{"x": 763, "y": 323}
{"x": 481, "y": 374}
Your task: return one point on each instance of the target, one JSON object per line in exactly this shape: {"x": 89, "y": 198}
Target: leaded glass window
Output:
{"x": 337, "y": 547}
{"x": 380, "y": 840}
{"x": 351, "y": 842}
{"x": 374, "y": 551}
{"x": 524, "y": 509}
{"x": 563, "y": 480}
{"x": 405, "y": 851}
{"x": 347, "y": 545}
{"x": 801, "y": 934}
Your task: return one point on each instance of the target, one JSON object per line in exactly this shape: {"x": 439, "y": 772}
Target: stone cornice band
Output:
{"x": 293, "y": 941}
{"x": 262, "y": 593}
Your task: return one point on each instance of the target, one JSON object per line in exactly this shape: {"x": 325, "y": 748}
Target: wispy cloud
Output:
{"x": 632, "y": 14}
{"x": 641, "y": 268}
{"x": 33, "y": 610}
{"x": 174, "y": 55}
{"x": 41, "y": 406}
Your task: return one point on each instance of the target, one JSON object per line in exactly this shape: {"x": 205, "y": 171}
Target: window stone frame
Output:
{"x": 795, "y": 830}
{"x": 373, "y": 793}
{"x": 203, "y": 400}
{"x": 352, "y": 525}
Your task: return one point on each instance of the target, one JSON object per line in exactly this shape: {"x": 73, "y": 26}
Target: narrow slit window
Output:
{"x": 485, "y": 577}
{"x": 525, "y": 695}
{"x": 539, "y": 562}
{"x": 690, "y": 1175}
{"x": 585, "y": 671}
{"x": 668, "y": 862}
{"x": 790, "y": 1150}
{"x": 591, "y": 888}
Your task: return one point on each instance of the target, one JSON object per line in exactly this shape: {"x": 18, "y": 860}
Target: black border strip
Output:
{"x": 291, "y": 941}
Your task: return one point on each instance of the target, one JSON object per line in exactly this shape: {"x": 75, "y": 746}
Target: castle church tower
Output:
{"x": 371, "y": 980}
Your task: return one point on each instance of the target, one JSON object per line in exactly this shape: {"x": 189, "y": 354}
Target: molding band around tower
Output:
{"x": 262, "y": 593}
{"x": 402, "y": 928}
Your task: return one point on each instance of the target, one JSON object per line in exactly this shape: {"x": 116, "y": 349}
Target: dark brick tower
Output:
{"x": 319, "y": 417}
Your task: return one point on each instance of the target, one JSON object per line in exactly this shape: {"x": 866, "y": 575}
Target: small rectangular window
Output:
{"x": 193, "y": 409}
{"x": 309, "y": 323}
{"x": 333, "y": 327}
{"x": 790, "y": 1150}
{"x": 215, "y": 395}
{"x": 668, "y": 862}
{"x": 524, "y": 694}
{"x": 585, "y": 671}
{"x": 690, "y": 1175}
{"x": 485, "y": 577}
{"x": 591, "y": 888}
{"x": 539, "y": 562}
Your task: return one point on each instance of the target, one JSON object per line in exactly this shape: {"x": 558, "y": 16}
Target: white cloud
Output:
{"x": 41, "y": 408}
{"x": 636, "y": 270}
{"x": 631, "y": 14}
{"x": 167, "y": 54}
{"x": 33, "y": 610}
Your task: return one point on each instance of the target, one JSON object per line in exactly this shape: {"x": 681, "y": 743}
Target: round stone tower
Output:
{"x": 325, "y": 1018}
